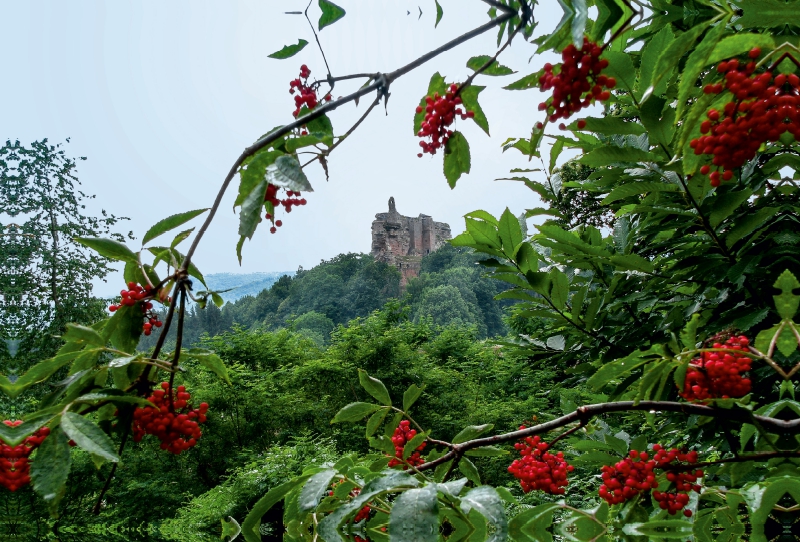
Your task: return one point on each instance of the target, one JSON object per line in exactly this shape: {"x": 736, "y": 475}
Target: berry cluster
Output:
{"x": 402, "y": 434}
{"x": 635, "y": 474}
{"x": 290, "y": 201}
{"x": 719, "y": 374}
{"x": 440, "y": 112}
{"x": 764, "y": 107}
{"x": 538, "y": 469}
{"x": 14, "y": 465}
{"x": 364, "y": 512}
{"x": 306, "y": 94}
{"x": 134, "y": 294}
{"x": 172, "y": 421}
{"x": 577, "y": 84}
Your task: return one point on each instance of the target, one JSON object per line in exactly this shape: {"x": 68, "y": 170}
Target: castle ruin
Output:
{"x": 402, "y": 241}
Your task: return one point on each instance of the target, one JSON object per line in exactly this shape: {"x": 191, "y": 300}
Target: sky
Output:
{"x": 161, "y": 97}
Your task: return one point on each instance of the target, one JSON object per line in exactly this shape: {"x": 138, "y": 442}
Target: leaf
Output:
{"x": 83, "y": 335}
{"x": 689, "y": 332}
{"x": 649, "y": 58}
{"x": 354, "y": 412}
{"x": 472, "y": 432}
{"x": 250, "y": 214}
{"x": 738, "y": 44}
{"x": 620, "y": 66}
{"x": 330, "y": 13}
{"x": 375, "y": 421}
{"x": 786, "y": 303}
{"x": 439, "y": 13}
{"x": 170, "y": 223}
{"x": 615, "y": 369}
{"x": 289, "y": 50}
{"x": 612, "y": 126}
{"x": 411, "y": 395}
{"x": 374, "y": 387}
{"x": 487, "y": 502}
{"x": 456, "y": 158}
{"x": 264, "y": 504}
{"x": 286, "y": 173}
{"x": 486, "y": 451}
{"x": 609, "y": 154}
{"x": 467, "y": 468}
{"x": 230, "y": 529}
{"x": 579, "y": 22}
{"x": 88, "y": 436}
{"x": 108, "y": 248}
{"x": 414, "y": 516}
{"x": 50, "y": 469}
{"x": 527, "y": 82}
{"x": 413, "y": 444}
{"x": 670, "y": 56}
{"x": 631, "y": 262}
{"x": 634, "y": 189}
{"x": 470, "y": 98}
{"x": 314, "y": 489}
{"x": 436, "y": 84}
{"x": 510, "y": 232}
{"x": 210, "y": 361}
{"x": 595, "y": 459}
{"x": 697, "y": 60}
{"x": 476, "y": 62}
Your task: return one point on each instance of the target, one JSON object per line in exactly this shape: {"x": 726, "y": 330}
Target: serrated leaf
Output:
{"x": 250, "y": 214}
{"x": 354, "y": 412}
{"x": 264, "y": 504}
{"x": 415, "y": 516}
{"x": 487, "y": 502}
{"x": 170, "y": 223}
{"x": 411, "y": 395}
{"x": 413, "y": 444}
{"x": 612, "y": 126}
{"x": 210, "y": 361}
{"x": 50, "y": 469}
{"x": 88, "y": 436}
{"x": 477, "y": 62}
{"x": 467, "y": 468}
{"x": 672, "y": 54}
{"x": 609, "y": 154}
{"x": 456, "y": 158}
{"x": 314, "y": 489}
{"x": 330, "y": 13}
{"x": 82, "y": 335}
{"x": 109, "y": 248}
{"x": 470, "y": 98}
{"x": 738, "y": 44}
{"x": 486, "y": 451}
{"x": 289, "y": 51}
{"x": 374, "y": 387}
{"x": 285, "y": 172}
{"x": 375, "y": 421}
{"x": 697, "y": 60}
{"x": 472, "y": 432}
{"x": 634, "y": 189}
{"x": 510, "y": 232}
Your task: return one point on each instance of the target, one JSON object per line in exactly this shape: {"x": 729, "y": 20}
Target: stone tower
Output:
{"x": 402, "y": 241}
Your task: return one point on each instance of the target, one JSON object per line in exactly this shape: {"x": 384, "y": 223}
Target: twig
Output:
{"x": 99, "y": 503}
{"x": 178, "y": 340}
{"x": 316, "y": 38}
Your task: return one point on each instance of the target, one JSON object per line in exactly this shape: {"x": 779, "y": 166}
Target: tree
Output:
{"x": 681, "y": 318}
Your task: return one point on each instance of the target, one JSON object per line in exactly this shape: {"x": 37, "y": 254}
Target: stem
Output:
{"x": 178, "y": 341}
{"x": 99, "y": 503}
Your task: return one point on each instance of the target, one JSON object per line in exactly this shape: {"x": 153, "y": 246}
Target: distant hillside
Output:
{"x": 242, "y": 284}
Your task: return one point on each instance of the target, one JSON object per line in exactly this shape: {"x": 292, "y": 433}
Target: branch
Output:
{"x": 383, "y": 81}
{"x": 584, "y": 413}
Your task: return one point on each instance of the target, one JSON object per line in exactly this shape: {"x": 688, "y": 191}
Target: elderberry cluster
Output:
{"x": 440, "y": 112}
{"x": 364, "y": 512}
{"x": 763, "y": 107}
{"x": 172, "y": 421}
{"x": 636, "y": 474}
{"x": 539, "y": 469}
{"x": 719, "y": 374}
{"x": 290, "y": 201}
{"x": 306, "y": 94}
{"x": 577, "y": 84}
{"x": 402, "y": 434}
{"x": 135, "y": 294}
{"x": 15, "y": 468}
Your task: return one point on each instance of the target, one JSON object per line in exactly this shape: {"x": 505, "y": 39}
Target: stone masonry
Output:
{"x": 402, "y": 241}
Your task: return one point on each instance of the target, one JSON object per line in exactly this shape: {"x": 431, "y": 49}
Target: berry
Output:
{"x": 440, "y": 112}
{"x": 138, "y": 294}
{"x": 402, "y": 434}
{"x": 719, "y": 374}
{"x": 539, "y": 469}
{"x": 15, "y": 467}
{"x": 172, "y": 420}
{"x": 290, "y": 201}
{"x": 306, "y": 95}
{"x": 578, "y": 82}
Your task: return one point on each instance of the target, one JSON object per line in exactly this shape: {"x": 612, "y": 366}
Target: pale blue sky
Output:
{"x": 161, "y": 96}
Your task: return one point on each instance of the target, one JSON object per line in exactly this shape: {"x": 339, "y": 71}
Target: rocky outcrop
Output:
{"x": 402, "y": 241}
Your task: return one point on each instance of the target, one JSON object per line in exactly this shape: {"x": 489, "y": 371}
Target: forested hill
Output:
{"x": 449, "y": 290}
{"x": 233, "y": 286}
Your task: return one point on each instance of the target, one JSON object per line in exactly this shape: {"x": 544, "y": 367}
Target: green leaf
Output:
{"x": 738, "y": 44}
{"x": 354, "y": 412}
{"x": 88, "y": 436}
{"x": 456, "y": 158}
{"x": 650, "y": 56}
{"x": 436, "y": 84}
{"x": 439, "y": 13}
{"x": 289, "y": 50}
{"x": 170, "y": 223}
{"x": 609, "y": 154}
{"x": 210, "y": 361}
{"x": 467, "y": 468}
{"x": 620, "y": 67}
{"x": 230, "y": 529}
{"x": 50, "y": 469}
{"x": 532, "y": 524}
{"x": 470, "y": 98}
{"x": 374, "y": 387}
{"x": 314, "y": 489}
{"x": 689, "y": 332}
{"x": 615, "y": 369}
{"x": 671, "y": 55}
{"x": 510, "y": 232}
{"x": 83, "y": 335}
{"x": 595, "y": 459}
{"x": 527, "y": 82}
{"x": 330, "y": 13}
{"x": 250, "y": 214}
{"x": 411, "y": 395}
{"x": 486, "y": 451}
{"x": 413, "y": 444}
{"x": 108, "y": 248}
{"x": 631, "y": 262}
{"x": 253, "y": 520}
{"x": 375, "y": 421}
{"x": 415, "y": 516}
{"x": 476, "y": 62}
{"x": 786, "y": 303}
{"x": 472, "y": 432}
{"x": 748, "y": 224}
{"x": 612, "y": 126}
{"x": 697, "y": 60}
{"x": 634, "y": 189}
{"x": 286, "y": 173}
{"x": 725, "y": 203}
{"x": 488, "y": 503}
